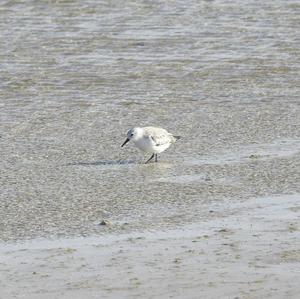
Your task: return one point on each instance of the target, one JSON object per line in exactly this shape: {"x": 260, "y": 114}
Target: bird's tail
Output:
{"x": 177, "y": 137}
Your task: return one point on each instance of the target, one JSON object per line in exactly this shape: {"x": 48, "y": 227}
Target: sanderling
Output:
{"x": 151, "y": 140}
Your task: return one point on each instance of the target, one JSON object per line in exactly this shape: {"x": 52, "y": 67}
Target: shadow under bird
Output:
{"x": 152, "y": 140}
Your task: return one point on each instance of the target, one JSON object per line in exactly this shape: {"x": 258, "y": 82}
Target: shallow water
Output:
{"x": 76, "y": 75}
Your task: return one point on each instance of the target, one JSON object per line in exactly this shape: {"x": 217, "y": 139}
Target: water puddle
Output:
{"x": 103, "y": 163}
{"x": 184, "y": 179}
{"x": 277, "y": 149}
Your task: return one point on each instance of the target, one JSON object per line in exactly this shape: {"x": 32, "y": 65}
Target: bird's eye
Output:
{"x": 131, "y": 134}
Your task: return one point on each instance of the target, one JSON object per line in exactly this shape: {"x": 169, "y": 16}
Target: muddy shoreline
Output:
{"x": 251, "y": 250}
{"x": 217, "y": 216}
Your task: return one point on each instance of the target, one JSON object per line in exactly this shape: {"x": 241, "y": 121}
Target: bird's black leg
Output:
{"x": 149, "y": 159}
{"x": 155, "y": 157}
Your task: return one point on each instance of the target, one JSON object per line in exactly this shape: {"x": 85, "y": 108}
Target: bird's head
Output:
{"x": 133, "y": 134}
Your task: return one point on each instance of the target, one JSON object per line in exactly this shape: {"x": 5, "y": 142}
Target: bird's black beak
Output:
{"x": 125, "y": 142}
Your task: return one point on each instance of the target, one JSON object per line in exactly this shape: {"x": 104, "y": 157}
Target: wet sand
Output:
{"x": 250, "y": 250}
{"x": 78, "y": 75}
{"x": 217, "y": 217}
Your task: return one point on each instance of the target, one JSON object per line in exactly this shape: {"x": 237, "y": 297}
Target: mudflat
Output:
{"x": 249, "y": 250}
{"x": 216, "y": 217}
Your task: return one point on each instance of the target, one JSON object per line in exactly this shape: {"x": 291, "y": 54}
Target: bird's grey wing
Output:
{"x": 159, "y": 135}
{"x": 160, "y": 139}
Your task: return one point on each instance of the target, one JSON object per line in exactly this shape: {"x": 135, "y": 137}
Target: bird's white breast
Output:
{"x": 146, "y": 144}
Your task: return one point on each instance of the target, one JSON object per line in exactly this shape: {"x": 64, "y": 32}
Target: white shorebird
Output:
{"x": 151, "y": 140}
